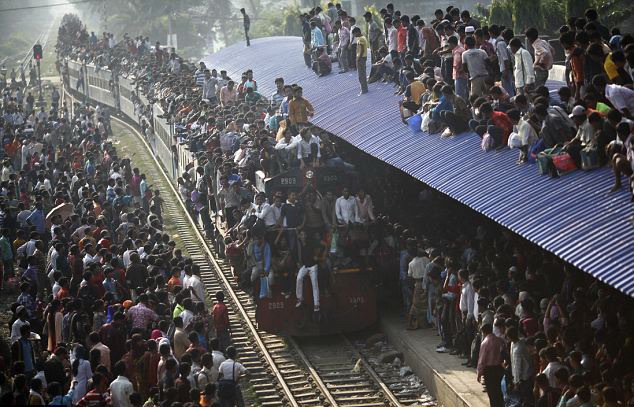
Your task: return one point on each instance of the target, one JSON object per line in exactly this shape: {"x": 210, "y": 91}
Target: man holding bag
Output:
{"x": 230, "y": 372}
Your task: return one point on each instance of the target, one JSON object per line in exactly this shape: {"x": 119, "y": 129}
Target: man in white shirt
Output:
{"x": 22, "y": 314}
{"x": 94, "y": 340}
{"x": 121, "y": 388}
{"x": 521, "y": 366}
{"x": 286, "y": 148}
{"x": 549, "y": 354}
{"x": 346, "y": 208}
{"x": 195, "y": 286}
{"x": 268, "y": 213}
{"x": 232, "y": 371}
{"x": 210, "y": 88}
{"x": 207, "y": 374}
{"x": 417, "y": 270}
{"x": 392, "y": 35}
{"x": 308, "y": 152}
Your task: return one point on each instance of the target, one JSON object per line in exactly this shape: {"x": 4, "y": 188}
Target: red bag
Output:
{"x": 564, "y": 163}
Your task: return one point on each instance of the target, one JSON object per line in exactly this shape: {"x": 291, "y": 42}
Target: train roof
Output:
{"x": 573, "y": 216}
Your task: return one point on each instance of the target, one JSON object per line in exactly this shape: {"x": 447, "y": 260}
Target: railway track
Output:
{"x": 330, "y": 371}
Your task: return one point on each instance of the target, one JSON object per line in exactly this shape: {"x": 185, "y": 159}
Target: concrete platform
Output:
{"x": 451, "y": 383}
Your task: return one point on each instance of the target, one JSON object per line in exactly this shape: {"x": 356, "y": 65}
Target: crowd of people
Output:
{"x": 458, "y": 76}
{"x": 536, "y": 332}
{"x": 110, "y": 309}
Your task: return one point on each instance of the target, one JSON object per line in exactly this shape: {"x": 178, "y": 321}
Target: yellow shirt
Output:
{"x": 610, "y": 68}
{"x": 362, "y": 47}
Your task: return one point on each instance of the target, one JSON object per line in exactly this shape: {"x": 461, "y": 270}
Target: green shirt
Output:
{"x": 362, "y": 47}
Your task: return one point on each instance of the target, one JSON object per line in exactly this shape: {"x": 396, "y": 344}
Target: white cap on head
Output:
{"x": 578, "y": 111}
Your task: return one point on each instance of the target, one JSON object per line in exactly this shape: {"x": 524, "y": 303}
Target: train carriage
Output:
{"x": 349, "y": 304}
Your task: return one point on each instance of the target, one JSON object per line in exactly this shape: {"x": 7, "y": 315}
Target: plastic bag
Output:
{"x": 424, "y": 126}
{"x": 264, "y": 287}
{"x": 414, "y": 123}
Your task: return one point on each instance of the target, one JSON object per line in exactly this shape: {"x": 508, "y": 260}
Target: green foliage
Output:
{"x": 548, "y": 15}
{"x": 526, "y": 14}
{"x": 270, "y": 23}
{"x": 576, "y": 7}
{"x": 501, "y": 13}
{"x": 613, "y": 13}
{"x": 292, "y": 25}
{"x": 552, "y": 12}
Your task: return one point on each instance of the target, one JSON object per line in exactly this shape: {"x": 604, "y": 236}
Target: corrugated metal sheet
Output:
{"x": 573, "y": 216}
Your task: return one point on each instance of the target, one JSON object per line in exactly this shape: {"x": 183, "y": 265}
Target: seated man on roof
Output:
{"x": 587, "y": 132}
{"x": 497, "y": 124}
{"x": 621, "y": 155}
{"x": 620, "y": 97}
{"x": 525, "y": 133}
{"x": 322, "y": 65}
{"x": 383, "y": 69}
{"x": 286, "y": 149}
{"x": 456, "y": 118}
{"x": 554, "y": 129}
{"x": 411, "y": 97}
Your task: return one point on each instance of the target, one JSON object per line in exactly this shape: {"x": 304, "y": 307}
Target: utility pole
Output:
{"x": 104, "y": 16}
{"x": 37, "y": 55}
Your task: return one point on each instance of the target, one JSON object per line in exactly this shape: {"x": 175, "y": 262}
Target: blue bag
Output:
{"x": 414, "y": 123}
{"x": 264, "y": 286}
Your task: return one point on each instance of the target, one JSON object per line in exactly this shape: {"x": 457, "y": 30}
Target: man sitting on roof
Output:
{"x": 383, "y": 69}
{"x": 457, "y": 118}
{"x": 322, "y": 65}
{"x": 299, "y": 109}
{"x": 621, "y": 154}
{"x": 497, "y": 124}
{"x": 411, "y": 98}
{"x": 554, "y": 129}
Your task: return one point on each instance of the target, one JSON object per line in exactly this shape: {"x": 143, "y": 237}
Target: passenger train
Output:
{"x": 351, "y": 305}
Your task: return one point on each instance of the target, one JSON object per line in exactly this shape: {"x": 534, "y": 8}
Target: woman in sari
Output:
{"x": 54, "y": 317}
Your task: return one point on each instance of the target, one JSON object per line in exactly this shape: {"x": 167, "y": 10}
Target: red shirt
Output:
{"x": 501, "y": 120}
{"x": 94, "y": 398}
{"x": 221, "y": 316}
{"x": 401, "y": 39}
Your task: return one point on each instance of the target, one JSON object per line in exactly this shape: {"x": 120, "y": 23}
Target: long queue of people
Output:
{"x": 459, "y": 77}
{"x": 108, "y": 310}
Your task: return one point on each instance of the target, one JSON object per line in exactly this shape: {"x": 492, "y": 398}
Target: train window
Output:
{"x": 126, "y": 93}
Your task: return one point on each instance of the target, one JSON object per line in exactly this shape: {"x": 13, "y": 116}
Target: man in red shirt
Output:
{"x": 497, "y": 124}
{"x": 401, "y": 37}
{"x": 221, "y": 321}
{"x": 98, "y": 396}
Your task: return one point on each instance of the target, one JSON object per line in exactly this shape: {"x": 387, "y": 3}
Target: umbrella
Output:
{"x": 64, "y": 210}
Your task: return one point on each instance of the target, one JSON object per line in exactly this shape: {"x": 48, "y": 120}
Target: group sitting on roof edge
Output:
{"x": 457, "y": 76}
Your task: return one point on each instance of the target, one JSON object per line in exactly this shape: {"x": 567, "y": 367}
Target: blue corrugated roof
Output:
{"x": 573, "y": 216}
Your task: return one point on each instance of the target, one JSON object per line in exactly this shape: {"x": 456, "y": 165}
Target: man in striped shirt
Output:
{"x": 98, "y": 396}
{"x": 199, "y": 75}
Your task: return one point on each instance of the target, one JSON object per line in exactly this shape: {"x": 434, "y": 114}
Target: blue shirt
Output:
{"x": 37, "y": 219}
{"x": 27, "y": 354}
{"x": 317, "y": 37}
{"x": 445, "y": 104}
{"x": 263, "y": 255}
